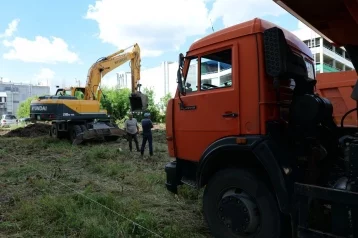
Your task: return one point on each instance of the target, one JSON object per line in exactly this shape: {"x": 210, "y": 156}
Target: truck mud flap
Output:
{"x": 98, "y": 134}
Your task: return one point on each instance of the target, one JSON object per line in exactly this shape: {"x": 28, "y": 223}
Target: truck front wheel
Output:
{"x": 238, "y": 204}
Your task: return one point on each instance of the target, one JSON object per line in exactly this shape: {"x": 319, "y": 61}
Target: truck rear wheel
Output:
{"x": 238, "y": 204}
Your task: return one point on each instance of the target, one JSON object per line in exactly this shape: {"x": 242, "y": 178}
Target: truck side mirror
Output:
{"x": 280, "y": 61}
{"x": 179, "y": 74}
{"x": 354, "y": 94}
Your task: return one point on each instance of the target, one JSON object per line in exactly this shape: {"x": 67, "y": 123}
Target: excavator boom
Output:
{"x": 105, "y": 65}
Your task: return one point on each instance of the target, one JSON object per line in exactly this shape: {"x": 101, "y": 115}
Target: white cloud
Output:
{"x": 4, "y": 80}
{"x": 45, "y": 73}
{"x": 40, "y": 50}
{"x": 45, "y": 76}
{"x": 234, "y": 12}
{"x": 304, "y": 32}
{"x": 12, "y": 27}
{"x": 109, "y": 80}
{"x": 123, "y": 23}
{"x": 301, "y": 25}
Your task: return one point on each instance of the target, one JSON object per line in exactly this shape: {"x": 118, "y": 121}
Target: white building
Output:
{"x": 13, "y": 94}
{"x": 162, "y": 79}
{"x": 327, "y": 57}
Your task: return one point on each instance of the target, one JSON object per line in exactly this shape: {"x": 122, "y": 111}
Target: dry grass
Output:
{"x": 49, "y": 188}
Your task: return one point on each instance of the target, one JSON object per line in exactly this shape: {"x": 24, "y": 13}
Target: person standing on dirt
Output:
{"x": 147, "y": 126}
{"x": 132, "y": 129}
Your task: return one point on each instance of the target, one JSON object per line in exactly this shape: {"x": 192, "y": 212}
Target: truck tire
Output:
{"x": 238, "y": 204}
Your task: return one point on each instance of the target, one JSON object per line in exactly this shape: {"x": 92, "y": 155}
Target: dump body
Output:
{"x": 337, "y": 87}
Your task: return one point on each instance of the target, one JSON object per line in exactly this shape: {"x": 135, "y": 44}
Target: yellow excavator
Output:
{"x": 75, "y": 112}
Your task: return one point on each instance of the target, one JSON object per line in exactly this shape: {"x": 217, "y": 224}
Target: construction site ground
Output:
{"x": 49, "y": 188}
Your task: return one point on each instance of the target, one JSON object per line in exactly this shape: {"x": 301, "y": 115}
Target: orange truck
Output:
{"x": 248, "y": 125}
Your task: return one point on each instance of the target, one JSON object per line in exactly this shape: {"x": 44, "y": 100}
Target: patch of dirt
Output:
{"x": 3, "y": 132}
{"x": 32, "y": 130}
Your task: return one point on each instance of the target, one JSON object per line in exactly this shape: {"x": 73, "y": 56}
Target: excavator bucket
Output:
{"x": 138, "y": 101}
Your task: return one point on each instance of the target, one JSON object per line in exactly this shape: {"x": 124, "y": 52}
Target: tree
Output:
{"x": 153, "y": 109}
{"x": 164, "y": 102}
{"x": 116, "y": 102}
{"x": 24, "y": 107}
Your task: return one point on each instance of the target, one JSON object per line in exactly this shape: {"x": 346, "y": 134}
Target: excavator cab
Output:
{"x": 138, "y": 101}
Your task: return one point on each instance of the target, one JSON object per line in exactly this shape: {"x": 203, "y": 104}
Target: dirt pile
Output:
{"x": 32, "y": 130}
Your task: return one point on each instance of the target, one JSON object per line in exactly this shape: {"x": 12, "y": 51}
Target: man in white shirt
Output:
{"x": 132, "y": 129}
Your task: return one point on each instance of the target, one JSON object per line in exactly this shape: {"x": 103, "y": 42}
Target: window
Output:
{"x": 191, "y": 81}
{"x": 216, "y": 70}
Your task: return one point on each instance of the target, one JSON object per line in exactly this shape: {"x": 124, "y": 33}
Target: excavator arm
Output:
{"x": 107, "y": 64}
{"x": 138, "y": 100}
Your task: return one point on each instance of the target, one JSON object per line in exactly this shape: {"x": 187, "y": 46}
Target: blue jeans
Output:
{"x": 149, "y": 138}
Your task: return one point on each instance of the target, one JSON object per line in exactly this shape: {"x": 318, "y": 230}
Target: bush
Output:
{"x": 116, "y": 102}
{"x": 24, "y": 107}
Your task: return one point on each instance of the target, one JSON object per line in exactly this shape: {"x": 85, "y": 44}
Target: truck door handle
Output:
{"x": 230, "y": 114}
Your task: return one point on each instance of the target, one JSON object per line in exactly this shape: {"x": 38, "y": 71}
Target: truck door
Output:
{"x": 211, "y": 104}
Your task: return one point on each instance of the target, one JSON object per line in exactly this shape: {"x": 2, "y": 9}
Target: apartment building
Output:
{"x": 328, "y": 58}
{"x": 13, "y": 94}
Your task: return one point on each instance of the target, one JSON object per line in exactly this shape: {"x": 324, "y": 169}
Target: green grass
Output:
{"x": 49, "y": 188}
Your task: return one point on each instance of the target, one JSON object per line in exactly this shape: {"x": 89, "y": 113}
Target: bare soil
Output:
{"x": 32, "y": 130}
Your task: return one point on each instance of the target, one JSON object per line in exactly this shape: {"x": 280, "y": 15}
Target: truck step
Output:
{"x": 189, "y": 182}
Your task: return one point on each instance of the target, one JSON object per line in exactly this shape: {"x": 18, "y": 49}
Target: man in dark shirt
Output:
{"x": 147, "y": 125}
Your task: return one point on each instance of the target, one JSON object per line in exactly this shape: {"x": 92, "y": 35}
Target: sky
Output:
{"x": 56, "y": 42}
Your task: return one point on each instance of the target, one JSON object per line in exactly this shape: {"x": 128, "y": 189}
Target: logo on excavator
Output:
{"x": 39, "y": 108}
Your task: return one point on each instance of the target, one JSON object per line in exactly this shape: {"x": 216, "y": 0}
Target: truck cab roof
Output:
{"x": 253, "y": 26}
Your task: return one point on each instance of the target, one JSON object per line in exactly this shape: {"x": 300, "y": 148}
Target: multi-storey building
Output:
{"x": 328, "y": 58}
{"x": 12, "y": 94}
